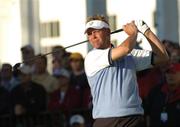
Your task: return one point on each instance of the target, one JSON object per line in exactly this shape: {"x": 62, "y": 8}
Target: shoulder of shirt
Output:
{"x": 93, "y": 52}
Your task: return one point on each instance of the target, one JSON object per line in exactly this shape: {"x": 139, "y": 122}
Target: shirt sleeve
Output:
{"x": 96, "y": 60}
{"x": 142, "y": 59}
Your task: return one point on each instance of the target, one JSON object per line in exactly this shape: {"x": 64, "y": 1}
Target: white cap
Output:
{"x": 96, "y": 24}
{"x": 76, "y": 119}
{"x": 25, "y": 69}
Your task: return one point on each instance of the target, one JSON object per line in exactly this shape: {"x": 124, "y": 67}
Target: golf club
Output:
{"x": 113, "y": 32}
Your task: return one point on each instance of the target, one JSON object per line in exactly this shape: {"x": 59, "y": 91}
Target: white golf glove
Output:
{"x": 141, "y": 25}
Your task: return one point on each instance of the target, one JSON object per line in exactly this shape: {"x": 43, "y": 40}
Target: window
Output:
{"x": 50, "y": 29}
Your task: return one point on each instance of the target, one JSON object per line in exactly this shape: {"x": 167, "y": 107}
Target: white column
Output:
{"x": 167, "y": 20}
{"x": 30, "y": 23}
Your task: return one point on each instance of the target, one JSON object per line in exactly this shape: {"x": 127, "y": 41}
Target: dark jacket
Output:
{"x": 33, "y": 98}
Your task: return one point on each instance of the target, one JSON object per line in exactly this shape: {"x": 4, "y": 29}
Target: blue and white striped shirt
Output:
{"x": 113, "y": 83}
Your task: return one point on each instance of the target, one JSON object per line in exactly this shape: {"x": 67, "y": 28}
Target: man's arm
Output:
{"x": 126, "y": 47}
{"x": 160, "y": 53}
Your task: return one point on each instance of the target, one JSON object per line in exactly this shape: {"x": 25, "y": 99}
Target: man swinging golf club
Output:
{"x": 111, "y": 72}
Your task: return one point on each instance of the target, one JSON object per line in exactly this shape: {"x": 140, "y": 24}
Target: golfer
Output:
{"x": 111, "y": 72}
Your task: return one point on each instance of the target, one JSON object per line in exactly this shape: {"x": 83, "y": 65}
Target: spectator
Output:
{"x": 77, "y": 121}
{"x": 66, "y": 98}
{"x": 163, "y": 103}
{"x": 175, "y": 55}
{"x": 7, "y": 79}
{"x": 42, "y": 76}
{"x": 28, "y": 97}
{"x": 148, "y": 79}
{"x": 56, "y": 66}
{"x": 58, "y": 52}
{"x": 61, "y": 56}
{"x": 16, "y": 72}
{"x": 79, "y": 79}
{"x": 168, "y": 45}
{"x": 28, "y": 54}
{"x": 60, "y": 60}
{"x": 78, "y": 76}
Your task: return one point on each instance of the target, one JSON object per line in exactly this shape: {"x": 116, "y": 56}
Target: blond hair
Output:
{"x": 97, "y": 17}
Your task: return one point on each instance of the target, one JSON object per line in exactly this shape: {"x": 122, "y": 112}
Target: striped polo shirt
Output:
{"x": 113, "y": 83}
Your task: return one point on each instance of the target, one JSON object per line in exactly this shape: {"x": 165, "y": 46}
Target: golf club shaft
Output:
{"x": 113, "y": 32}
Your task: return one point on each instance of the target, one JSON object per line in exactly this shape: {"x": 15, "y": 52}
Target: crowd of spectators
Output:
{"x": 28, "y": 88}
{"x": 159, "y": 88}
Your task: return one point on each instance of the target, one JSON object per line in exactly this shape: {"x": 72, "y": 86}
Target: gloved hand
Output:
{"x": 141, "y": 25}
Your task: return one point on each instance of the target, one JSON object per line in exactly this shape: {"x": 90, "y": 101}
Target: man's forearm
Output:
{"x": 158, "y": 48}
{"x": 124, "y": 48}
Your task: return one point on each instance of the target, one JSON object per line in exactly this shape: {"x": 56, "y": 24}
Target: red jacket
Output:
{"x": 71, "y": 100}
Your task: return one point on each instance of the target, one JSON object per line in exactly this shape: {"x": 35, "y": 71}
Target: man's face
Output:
{"x": 6, "y": 72}
{"x": 27, "y": 54}
{"x": 99, "y": 38}
{"x": 76, "y": 64}
{"x": 40, "y": 66}
{"x": 173, "y": 79}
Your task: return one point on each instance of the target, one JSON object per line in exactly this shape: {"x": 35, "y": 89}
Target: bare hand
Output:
{"x": 130, "y": 29}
